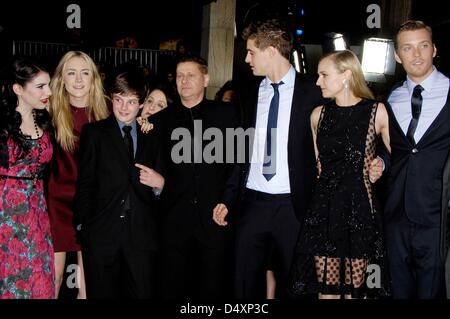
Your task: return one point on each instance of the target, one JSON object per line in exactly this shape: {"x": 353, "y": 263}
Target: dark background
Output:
{"x": 103, "y": 22}
{"x": 151, "y": 21}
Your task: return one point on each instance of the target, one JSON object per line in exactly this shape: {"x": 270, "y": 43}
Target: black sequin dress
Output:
{"x": 340, "y": 246}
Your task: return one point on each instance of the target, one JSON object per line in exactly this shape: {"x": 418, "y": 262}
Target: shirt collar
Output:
{"x": 132, "y": 124}
{"x": 427, "y": 84}
{"x": 288, "y": 79}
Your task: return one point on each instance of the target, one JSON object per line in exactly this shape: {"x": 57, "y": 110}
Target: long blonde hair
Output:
{"x": 60, "y": 111}
{"x": 347, "y": 60}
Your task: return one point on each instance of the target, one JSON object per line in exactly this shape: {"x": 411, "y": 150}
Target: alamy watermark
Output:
{"x": 374, "y": 276}
{"x": 73, "y": 21}
{"x": 213, "y": 145}
{"x": 374, "y": 19}
{"x": 74, "y": 278}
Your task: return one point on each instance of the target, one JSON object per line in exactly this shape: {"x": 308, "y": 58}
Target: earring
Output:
{"x": 345, "y": 82}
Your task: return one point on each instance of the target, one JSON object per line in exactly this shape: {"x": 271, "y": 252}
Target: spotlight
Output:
{"x": 339, "y": 44}
{"x": 378, "y": 59}
{"x": 298, "y": 60}
{"x": 334, "y": 42}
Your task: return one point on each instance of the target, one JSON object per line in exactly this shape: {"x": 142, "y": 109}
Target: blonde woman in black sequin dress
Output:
{"x": 340, "y": 252}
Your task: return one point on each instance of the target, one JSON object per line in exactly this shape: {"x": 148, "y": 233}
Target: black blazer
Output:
{"x": 106, "y": 177}
{"x": 415, "y": 174}
{"x": 445, "y": 224}
{"x": 301, "y": 156}
{"x": 196, "y": 188}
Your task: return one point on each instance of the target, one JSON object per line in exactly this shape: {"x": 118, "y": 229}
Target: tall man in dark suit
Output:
{"x": 200, "y": 182}
{"x": 279, "y": 178}
{"x": 420, "y": 141}
{"x": 115, "y": 197}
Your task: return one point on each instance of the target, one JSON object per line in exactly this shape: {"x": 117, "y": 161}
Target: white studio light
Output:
{"x": 296, "y": 61}
{"x": 339, "y": 43}
{"x": 378, "y": 59}
{"x": 378, "y": 56}
{"x": 334, "y": 42}
{"x": 299, "y": 60}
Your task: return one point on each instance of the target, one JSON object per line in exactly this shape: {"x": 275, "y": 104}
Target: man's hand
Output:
{"x": 150, "y": 177}
{"x": 219, "y": 214}
{"x": 376, "y": 170}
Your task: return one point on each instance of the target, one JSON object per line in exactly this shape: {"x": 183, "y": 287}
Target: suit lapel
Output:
{"x": 297, "y": 110}
{"x": 141, "y": 140}
{"x": 392, "y": 119}
{"x": 116, "y": 137}
{"x": 395, "y": 124}
{"x": 254, "y": 105}
{"x": 250, "y": 119}
{"x": 442, "y": 118}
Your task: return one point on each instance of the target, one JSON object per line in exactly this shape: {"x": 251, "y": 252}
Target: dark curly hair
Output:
{"x": 20, "y": 71}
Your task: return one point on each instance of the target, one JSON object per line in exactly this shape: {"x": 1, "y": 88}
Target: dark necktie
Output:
{"x": 128, "y": 140}
{"x": 270, "y": 160}
{"x": 416, "y": 108}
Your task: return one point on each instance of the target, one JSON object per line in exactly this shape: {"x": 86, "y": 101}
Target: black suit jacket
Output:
{"x": 415, "y": 174}
{"x": 445, "y": 224}
{"x": 106, "y": 178}
{"x": 193, "y": 189}
{"x": 301, "y": 156}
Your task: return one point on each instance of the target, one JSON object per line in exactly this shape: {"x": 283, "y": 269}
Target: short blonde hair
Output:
{"x": 413, "y": 25}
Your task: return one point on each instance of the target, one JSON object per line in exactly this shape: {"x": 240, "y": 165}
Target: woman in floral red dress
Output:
{"x": 26, "y": 249}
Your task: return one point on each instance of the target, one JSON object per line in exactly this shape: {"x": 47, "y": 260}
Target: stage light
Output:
{"x": 299, "y": 32}
{"x": 334, "y": 42}
{"x": 378, "y": 57}
{"x": 339, "y": 43}
{"x": 298, "y": 60}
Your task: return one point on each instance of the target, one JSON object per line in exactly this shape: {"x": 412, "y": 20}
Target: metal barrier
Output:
{"x": 38, "y": 49}
{"x": 110, "y": 56}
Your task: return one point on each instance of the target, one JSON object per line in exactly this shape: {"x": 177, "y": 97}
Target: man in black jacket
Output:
{"x": 419, "y": 116}
{"x": 199, "y": 181}
{"x": 279, "y": 176}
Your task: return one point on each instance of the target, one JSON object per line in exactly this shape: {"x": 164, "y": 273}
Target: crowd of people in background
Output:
{"x": 94, "y": 164}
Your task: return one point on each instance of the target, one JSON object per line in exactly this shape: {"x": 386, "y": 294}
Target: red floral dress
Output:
{"x": 26, "y": 248}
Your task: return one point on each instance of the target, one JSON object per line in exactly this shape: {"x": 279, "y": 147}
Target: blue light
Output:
{"x": 299, "y": 32}
{"x": 302, "y": 12}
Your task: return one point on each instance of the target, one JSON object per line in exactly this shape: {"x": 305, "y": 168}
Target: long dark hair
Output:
{"x": 20, "y": 71}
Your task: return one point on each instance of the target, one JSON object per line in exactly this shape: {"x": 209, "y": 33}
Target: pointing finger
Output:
{"x": 143, "y": 167}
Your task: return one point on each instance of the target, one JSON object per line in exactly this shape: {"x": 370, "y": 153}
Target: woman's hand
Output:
{"x": 146, "y": 126}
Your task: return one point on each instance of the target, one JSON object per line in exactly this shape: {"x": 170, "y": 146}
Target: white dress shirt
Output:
{"x": 434, "y": 97}
{"x": 279, "y": 184}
